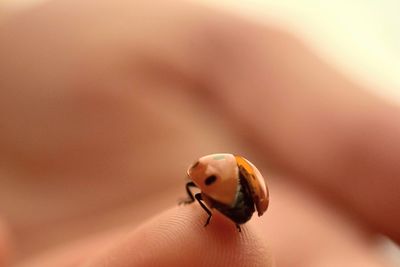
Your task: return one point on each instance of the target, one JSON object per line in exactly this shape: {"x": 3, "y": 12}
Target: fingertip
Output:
{"x": 178, "y": 237}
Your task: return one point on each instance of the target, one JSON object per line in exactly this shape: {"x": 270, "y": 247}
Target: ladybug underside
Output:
{"x": 240, "y": 212}
{"x": 243, "y": 208}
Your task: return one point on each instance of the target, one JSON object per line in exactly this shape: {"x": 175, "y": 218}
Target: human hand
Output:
{"x": 103, "y": 110}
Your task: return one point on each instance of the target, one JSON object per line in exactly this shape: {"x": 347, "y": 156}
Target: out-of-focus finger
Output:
{"x": 5, "y": 246}
{"x": 311, "y": 121}
{"x": 304, "y": 230}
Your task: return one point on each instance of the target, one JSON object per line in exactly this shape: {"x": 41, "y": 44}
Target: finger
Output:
{"x": 178, "y": 238}
{"x": 74, "y": 253}
{"x": 304, "y": 231}
{"x": 87, "y": 120}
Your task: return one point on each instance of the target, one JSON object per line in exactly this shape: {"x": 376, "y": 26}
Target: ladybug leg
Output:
{"x": 190, "y": 194}
{"x": 199, "y": 199}
{"x": 238, "y": 227}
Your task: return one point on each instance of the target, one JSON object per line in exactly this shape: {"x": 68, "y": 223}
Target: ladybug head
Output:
{"x": 217, "y": 177}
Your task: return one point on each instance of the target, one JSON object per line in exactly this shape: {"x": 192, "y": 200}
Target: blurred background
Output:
{"x": 360, "y": 37}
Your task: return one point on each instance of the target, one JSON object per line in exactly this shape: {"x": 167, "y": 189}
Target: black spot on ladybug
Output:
{"x": 210, "y": 180}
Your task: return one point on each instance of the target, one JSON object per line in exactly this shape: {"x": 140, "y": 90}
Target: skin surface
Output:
{"x": 103, "y": 105}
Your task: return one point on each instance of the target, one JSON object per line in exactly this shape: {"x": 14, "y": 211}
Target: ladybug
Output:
{"x": 230, "y": 184}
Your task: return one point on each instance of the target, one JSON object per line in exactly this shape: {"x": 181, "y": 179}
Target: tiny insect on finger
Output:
{"x": 230, "y": 184}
